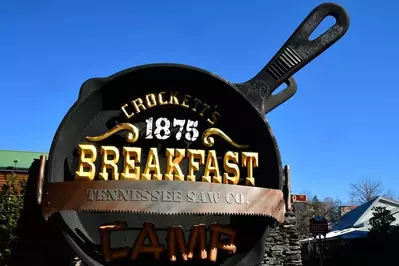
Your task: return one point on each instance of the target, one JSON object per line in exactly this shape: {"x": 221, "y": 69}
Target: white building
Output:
{"x": 356, "y": 223}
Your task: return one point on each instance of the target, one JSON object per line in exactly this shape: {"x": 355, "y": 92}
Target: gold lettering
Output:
{"x": 88, "y": 155}
{"x": 152, "y": 165}
{"x": 231, "y": 168}
{"x": 109, "y": 163}
{"x": 192, "y": 164}
{"x": 131, "y": 157}
{"x": 215, "y": 118}
{"x": 196, "y": 103}
{"x": 150, "y": 100}
{"x": 173, "y": 170}
{"x": 105, "y": 240}
{"x": 206, "y": 108}
{"x": 160, "y": 99}
{"x": 131, "y": 169}
{"x": 123, "y": 108}
{"x": 216, "y": 243}
{"x": 154, "y": 247}
{"x": 212, "y": 166}
{"x": 173, "y": 98}
{"x": 250, "y": 160}
{"x": 185, "y": 99}
{"x": 137, "y": 103}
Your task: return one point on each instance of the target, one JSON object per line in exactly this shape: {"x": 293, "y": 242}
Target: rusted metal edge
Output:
{"x": 287, "y": 188}
{"x": 40, "y": 179}
{"x": 162, "y": 197}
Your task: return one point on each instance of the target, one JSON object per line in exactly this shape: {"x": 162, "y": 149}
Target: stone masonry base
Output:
{"x": 282, "y": 244}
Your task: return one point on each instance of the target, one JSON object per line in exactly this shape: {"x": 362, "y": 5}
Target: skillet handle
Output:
{"x": 298, "y": 50}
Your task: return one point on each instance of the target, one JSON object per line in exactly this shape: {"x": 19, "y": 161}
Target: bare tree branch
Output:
{"x": 365, "y": 191}
{"x": 389, "y": 195}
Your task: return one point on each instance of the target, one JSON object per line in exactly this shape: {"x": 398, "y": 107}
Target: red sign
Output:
{"x": 299, "y": 198}
{"x": 318, "y": 226}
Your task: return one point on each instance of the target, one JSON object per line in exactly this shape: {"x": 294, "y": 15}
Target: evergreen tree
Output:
{"x": 381, "y": 220}
{"x": 11, "y": 204}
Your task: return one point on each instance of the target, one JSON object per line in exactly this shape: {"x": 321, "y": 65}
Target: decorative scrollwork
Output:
{"x": 131, "y": 136}
{"x": 208, "y": 140}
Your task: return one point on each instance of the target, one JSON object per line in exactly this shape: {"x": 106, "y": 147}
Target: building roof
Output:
{"x": 356, "y": 223}
{"x": 18, "y": 159}
{"x": 360, "y": 216}
{"x": 350, "y": 218}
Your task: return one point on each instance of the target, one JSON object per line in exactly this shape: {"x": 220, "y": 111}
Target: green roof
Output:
{"x": 18, "y": 159}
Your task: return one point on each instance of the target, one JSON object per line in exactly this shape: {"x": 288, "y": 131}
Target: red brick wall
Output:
{"x": 20, "y": 177}
{"x": 346, "y": 209}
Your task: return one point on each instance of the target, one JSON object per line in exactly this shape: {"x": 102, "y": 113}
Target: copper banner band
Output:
{"x": 162, "y": 197}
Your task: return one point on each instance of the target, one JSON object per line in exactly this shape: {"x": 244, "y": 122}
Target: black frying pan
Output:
{"x": 297, "y": 52}
{"x": 97, "y": 110}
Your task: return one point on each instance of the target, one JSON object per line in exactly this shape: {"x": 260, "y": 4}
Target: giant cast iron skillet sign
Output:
{"x": 168, "y": 162}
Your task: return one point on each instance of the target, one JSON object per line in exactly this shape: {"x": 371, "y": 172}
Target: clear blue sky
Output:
{"x": 340, "y": 127}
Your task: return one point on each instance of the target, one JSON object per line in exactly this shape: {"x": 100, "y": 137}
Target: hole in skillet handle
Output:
{"x": 303, "y": 37}
{"x": 277, "y": 98}
{"x": 297, "y": 52}
{"x": 327, "y": 23}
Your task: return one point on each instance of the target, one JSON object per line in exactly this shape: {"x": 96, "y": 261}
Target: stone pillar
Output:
{"x": 282, "y": 244}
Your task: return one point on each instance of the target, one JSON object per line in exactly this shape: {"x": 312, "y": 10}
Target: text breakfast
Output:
{"x": 134, "y": 168}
